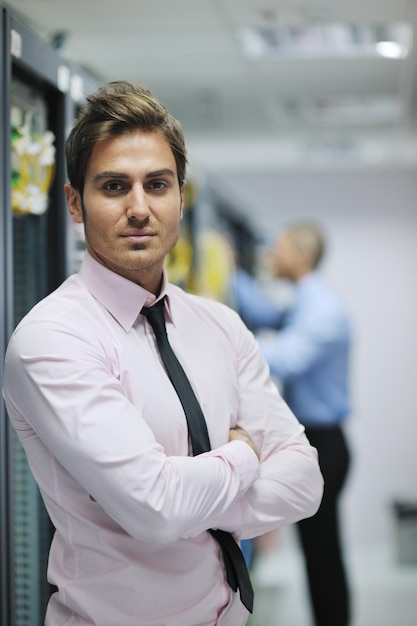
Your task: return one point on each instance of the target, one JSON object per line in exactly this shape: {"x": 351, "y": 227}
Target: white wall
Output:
{"x": 371, "y": 220}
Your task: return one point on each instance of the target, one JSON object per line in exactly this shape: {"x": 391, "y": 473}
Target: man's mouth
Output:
{"x": 138, "y": 234}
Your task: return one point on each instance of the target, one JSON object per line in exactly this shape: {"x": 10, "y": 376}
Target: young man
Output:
{"x": 310, "y": 356}
{"x": 102, "y": 426}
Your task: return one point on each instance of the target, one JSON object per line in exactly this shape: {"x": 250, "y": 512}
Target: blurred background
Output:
{"x": 291, "y": 110}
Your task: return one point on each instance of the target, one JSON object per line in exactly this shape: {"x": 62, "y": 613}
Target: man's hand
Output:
{"x": 238, "y": 434}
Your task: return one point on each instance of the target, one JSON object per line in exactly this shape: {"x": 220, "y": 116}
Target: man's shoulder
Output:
{"x": 211, "y": 313}
{"x": 321, "y": 288}
{"x": 196, "y": 301}
{"x": 71, "y": 297}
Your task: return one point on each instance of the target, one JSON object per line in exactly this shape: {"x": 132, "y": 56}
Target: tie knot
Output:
{"x": 155, "y": 316}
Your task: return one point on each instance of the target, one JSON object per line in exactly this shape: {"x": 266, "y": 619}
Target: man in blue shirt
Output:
{"x": 309, "y": 355}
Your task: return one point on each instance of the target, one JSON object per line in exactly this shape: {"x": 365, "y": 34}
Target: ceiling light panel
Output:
{"x": 324, "y": 40}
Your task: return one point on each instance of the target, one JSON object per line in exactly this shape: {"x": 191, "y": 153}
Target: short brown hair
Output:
{"x": 116, "y": 108}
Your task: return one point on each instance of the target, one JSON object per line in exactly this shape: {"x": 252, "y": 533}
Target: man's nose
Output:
{"x": 137, "y": 203}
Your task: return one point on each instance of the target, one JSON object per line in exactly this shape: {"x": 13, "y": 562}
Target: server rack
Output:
{"x": 5, "y": 322}
{"x": 33, "y": 262}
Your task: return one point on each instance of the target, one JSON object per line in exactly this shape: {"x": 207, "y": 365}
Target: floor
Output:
{"x": 384, "y": 588}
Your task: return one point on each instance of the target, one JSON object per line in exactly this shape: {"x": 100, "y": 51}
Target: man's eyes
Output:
{"x": 115, "y": 186}
{"x": 157, "y": 185}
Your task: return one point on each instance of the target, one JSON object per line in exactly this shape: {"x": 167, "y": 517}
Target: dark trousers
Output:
{"x": 320, "y": 535}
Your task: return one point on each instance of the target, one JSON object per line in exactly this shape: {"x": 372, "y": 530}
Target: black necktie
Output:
{"x": 236, "y": 570}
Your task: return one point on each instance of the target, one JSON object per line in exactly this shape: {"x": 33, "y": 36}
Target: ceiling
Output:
{"x": 238, "y": 112}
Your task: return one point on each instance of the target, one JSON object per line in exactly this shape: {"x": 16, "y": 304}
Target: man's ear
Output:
{"x": 182, "y": 190}
{"x": 74, "y": 203}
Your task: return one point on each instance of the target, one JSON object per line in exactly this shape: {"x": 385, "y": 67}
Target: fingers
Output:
{"x": 239, "y": 434}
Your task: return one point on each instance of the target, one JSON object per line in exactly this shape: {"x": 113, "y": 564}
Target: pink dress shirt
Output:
{"x": 106, "y": 440}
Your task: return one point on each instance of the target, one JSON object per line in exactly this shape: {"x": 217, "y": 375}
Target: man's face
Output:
{"x": 132, "y": 205}
{"x": 284, "y": 257}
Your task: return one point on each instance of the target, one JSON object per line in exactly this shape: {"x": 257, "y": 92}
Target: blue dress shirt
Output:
{"x": 310, "y": 354}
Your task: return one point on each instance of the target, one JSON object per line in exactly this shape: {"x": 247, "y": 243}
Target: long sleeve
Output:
{"x": 310, "y": 356}
{"x": 316, "y": 324}
{"x": 290, "y": 484}
{"x": 252, "y": 304}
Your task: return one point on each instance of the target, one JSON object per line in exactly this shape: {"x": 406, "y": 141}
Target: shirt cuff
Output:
{"x": 241, "y": 455}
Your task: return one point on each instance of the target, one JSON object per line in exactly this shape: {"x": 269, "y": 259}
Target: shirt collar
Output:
{"x": 123, "y": 298}
{"x": 309, "y": 278}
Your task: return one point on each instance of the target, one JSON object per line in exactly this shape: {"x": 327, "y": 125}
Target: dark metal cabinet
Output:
{"x": 33, "y": 262}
